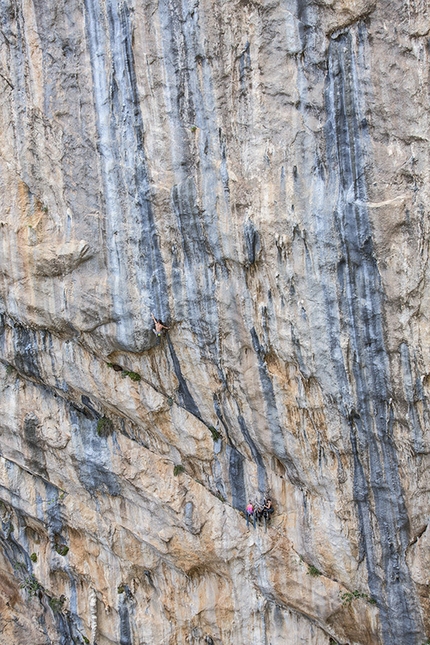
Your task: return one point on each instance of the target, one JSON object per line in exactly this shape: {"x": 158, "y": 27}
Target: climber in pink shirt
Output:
{"x": 250, "y": 513}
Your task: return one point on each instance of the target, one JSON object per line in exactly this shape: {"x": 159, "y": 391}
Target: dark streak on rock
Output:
{"x": 125, "y": 174}
{"x": 256, "y": 455}
{"x": 236, "y": 477}
{"x": 377, "y": 489}
{"x": 184, "y": 395}
{"x": 272, "y": 415}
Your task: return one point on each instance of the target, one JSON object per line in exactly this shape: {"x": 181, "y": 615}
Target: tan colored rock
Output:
{"x": 255, "y": 174}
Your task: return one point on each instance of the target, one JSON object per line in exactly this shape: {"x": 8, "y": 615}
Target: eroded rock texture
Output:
{"x": 257, "y": 175}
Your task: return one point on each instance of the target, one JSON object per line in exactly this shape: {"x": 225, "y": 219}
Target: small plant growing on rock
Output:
{"x": 104, "y": 427}
{"x": 121, "y": 589}
{"x": 31, "y": 585}
{"x": 33, "y": 557}
{"x": 313, "y": 571}
{"x": 134, "y": 376}
{"x": 178, "y": 469}
{"x": 56, "y": 604}
{"x": 62, "y": 549}
{"x": 348, "y": 596}
{"x": 214, "y": 432}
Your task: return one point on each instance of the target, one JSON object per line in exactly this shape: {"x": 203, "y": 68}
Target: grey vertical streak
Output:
{"x": 364, "y": 380}
{"x": 256, "y": 455}
{"x": 134, "y": 258}
{"x": 413, "y": 392}
{"x": 272, "y": 414}
{"x": 197, "y": 149}
{"x": 199, "y": 281}
{"x": 184, "y": 394}
{"x": 236, "y": 477}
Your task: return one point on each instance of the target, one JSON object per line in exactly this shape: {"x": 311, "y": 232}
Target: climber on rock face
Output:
{"x": 158, "y": 326}
{"x": 268, "y": 508}
{"x": 250, "y": 513}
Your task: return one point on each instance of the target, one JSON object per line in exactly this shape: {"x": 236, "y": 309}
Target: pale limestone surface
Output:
{"x": 256, "y": 174}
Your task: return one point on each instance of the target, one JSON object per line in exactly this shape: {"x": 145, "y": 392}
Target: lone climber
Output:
{"x": 158, "y": 326}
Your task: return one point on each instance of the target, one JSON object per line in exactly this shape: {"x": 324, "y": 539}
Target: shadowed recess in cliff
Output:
{"x": 377, "y": 489}
{"x": 135, "y": 261}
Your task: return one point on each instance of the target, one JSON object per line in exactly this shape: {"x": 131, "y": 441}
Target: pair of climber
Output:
{"x": 257, "y": 512}
{"x": 158, "y": 326}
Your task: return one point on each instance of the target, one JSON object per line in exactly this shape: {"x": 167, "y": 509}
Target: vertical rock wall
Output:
{"x": 256, "y": 175}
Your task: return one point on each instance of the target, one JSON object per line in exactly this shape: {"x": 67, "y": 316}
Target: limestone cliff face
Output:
{"x": 257, "y": 175}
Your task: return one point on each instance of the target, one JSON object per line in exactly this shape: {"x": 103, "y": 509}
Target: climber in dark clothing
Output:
{"x": 268, "y": 509}
{"x": 158, "y": 326}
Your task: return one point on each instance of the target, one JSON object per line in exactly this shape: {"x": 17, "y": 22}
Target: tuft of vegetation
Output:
{"x": 193, "y": 128}
{"x": 31, "y": 585}
{"x": 33, "y": 557}
{"x": 169, "y": 401}
{"x": 220, "y": 496}
{"x": 62, "y": 549}
{"x": 178, "y": 469}
{"x": 134, "y": 376}
{"x": 10, "y": 369}
{"x": 348, "y": 596}
{"x": 214, "y": 432}
{"x": 104, "y": 427}
{"x": 86, "y": 641}
{"x": 332, "y": 641}
{"x": 56, "y": 604}
{"x": 313, "y": 571}
{"x": 121, "y": 588}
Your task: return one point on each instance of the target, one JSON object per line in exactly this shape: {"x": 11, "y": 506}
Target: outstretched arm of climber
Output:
{"x": 158, "y": 324}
